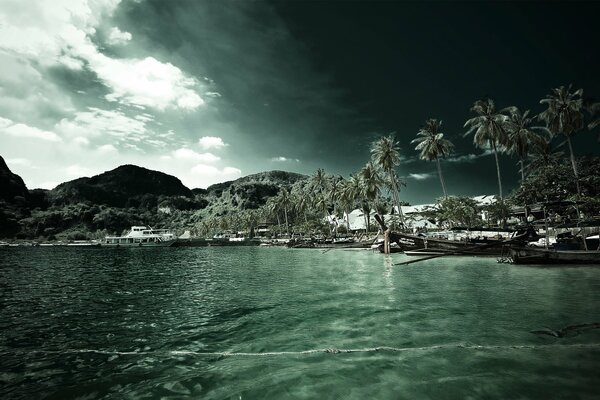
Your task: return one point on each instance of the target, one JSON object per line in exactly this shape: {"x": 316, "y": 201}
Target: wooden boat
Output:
{"x": 540, "y": 255}
{"x": 406, "y": 242}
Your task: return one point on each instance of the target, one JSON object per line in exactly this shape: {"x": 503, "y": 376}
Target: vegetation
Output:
{"x": 433, "y": 146}
{"x": 291, "y": 203}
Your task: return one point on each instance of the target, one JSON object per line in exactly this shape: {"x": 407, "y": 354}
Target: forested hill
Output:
{"x": 11, "y": 185}
{"x": 124, "y": 186}
{"x": 127, "y": 195}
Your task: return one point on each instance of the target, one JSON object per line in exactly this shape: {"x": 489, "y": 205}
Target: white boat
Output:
{"x": 142, "y": 236}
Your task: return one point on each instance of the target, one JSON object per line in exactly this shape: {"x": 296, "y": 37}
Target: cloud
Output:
{"x": 211, "y": 142}
{"x": 468, "y": 157}
{"x": 107, "y": 149}
{"x": 204, "y": 175}
{"x": 284, "y": 159}
{"x": 60, "y": 33}
{"x": 25, "y": 131}
{"x": 188, "y": 154}
{"x": 116, "y": 37}
{"x": 146, "y": 82}
{"x": 420, "y": 177}
{"x": 97, "y": 123}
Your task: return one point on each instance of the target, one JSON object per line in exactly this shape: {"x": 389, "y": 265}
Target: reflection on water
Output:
{"x": 282, "y": 323}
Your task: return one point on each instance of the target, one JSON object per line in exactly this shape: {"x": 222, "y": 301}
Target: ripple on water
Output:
{"x": 114, "y": 323}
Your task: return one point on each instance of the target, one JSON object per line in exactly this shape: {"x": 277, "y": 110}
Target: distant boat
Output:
{"x": 537, "y": 255}
{"x": 142, "y": 236}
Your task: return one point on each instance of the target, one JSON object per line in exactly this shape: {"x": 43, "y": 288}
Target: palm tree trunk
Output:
{"x": 441, "y": 177}
{"x": 287, "y": 225}
{"x": 348, "y": 220}
{"x": 522, "y": 172}
{"x": 498, "y": 170}
{"x": 574, "y": 165}
{"x": 522, "y": 183}
{"x": 396, "y": 195}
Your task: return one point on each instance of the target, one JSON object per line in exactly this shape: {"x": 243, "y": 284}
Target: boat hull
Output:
{"x": 164, "y": 243}
{"x": 412, "y": 242}
{"x": 533, "y": 255}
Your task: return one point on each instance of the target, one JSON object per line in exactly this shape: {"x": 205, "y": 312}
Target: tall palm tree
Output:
{"x": 371, "y": 182}
{"x": 284, "y": 202}
{"x": 564, "y": 116}
{"x": 347, "y": 197}
{"x": 432, "y": 145}
{"x": 520, "y": 135}
{"x": 385, "y": 152}
{"x": 488, "y": 126}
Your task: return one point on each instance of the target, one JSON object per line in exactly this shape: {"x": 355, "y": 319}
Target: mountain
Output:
{"x": 128, "y": 195}
{"x": 248, "y": 192}
{"x": 11, "y": 185}
{"x": 121, "y": 187}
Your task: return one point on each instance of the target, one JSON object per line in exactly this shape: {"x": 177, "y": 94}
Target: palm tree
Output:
{"x": 371, "y": 182}
{"x": 385, "y": 152}
{"x": 520, "y": 135}
{"x": 564, "y": 116}
{"x": 432, "y": 145}
{"x": 347, "y": 197}
{"x": 488, "y": 126}
{"x": 284, "y": 202}
{"x": 543, "y": 155}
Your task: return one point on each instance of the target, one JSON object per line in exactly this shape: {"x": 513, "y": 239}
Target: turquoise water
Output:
{"x": 251, "y": 323}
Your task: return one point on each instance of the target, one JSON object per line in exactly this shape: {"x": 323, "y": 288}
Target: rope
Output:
{"x": 318, "y": 351}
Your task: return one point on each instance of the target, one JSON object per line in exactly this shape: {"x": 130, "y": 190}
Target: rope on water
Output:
{"x": 318, "y": 351}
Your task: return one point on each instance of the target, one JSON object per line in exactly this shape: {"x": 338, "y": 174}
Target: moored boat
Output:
{"x": 538, "y": 255}
{"x": 142, "y": 236}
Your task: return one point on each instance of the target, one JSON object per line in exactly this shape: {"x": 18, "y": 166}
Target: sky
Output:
{"x": 211, "y": 91}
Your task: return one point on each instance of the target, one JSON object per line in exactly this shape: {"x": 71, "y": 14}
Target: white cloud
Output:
{"x": 284, "y": 159}
{"x": 60, "y": 32}
{"x": 107, "y": 149}
{"x": 188, "y": 154}
{"x": 469, "y": 157}
{"x": 204, "y": 175}
{"x": 420, "y": 177}
{"x": 211, "y": 142}
{"x": 146, "y": 82}
{"x": 26, "y": 131}
{"x": 96, "y": 122}
{"x": 117, "y": 37}
{"x": 5, "y": 122}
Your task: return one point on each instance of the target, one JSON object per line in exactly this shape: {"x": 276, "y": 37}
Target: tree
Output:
{"x": 564, "y": 116}
{"x": 488, "y": 126}
{"x": 385, "y": 153}
{"x": 543, "y": 154}
{"x": 458, "y": 211}
{"x": 371, "y": 182}
{"x": 284, "y": 202}
{"x": 432, "y": 145}
{"x": 521, "y": 136}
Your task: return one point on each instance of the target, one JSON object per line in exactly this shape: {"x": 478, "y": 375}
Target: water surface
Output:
{"x": 250, "y": 323}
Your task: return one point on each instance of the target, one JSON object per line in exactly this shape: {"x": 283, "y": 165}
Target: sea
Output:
{"x": 278, "y": 323}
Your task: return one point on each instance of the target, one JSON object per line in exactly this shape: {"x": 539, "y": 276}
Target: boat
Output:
{"x": 468, "y": 246}
{"x": 142, "y": 236}
{"x": 552, "y": 255}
